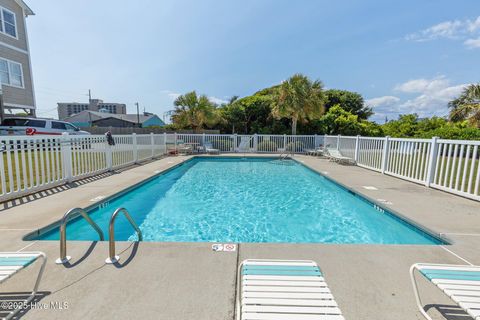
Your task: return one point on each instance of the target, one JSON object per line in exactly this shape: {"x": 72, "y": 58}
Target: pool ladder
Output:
{"x": 63, "y": 232}
{"x": 286, "y": 154}
{"x": 112, "y": 258}
{"x": 111, "y": 232}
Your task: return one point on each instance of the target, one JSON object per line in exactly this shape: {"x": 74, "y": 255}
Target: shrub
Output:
{"x": 295, "y": 146}
{"x": 267, "y": 145}
{"x": 223, "y": 145}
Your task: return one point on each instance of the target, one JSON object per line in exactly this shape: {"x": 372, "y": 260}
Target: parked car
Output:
{"x": 36, "y": 126}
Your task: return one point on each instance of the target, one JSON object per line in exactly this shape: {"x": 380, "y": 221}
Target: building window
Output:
{"x": 8, "y": 23}
{"x": 4, "y": 75}
{"x": 11, "y": 73}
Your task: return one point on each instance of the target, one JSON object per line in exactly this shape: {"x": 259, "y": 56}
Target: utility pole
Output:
{"x": 138, "y": 115}
{"x": 89, "y": 96}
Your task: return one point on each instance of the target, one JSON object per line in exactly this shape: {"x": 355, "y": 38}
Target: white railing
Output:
{"x": 30, "y": 164}
{"x": 33, "y": 163}
{"x": 449, "y": 165}
{"x": 369, "y": 153}
{"x": 456, "y": 167}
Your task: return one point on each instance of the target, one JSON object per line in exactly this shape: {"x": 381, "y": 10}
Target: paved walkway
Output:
{"x": 189, "y": 281}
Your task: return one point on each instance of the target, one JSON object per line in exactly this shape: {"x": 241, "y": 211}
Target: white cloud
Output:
{"x": 217, "y": 100}
{"x": 423, "y": 85}
{"x": 454, "y": 30}
{"x": 472, "y": 43}
{"x": 431, "y": 98}
{"x": 433, "y": 103}
{"x": 172, "y": 95}
{"x": 382, "y": 101}
{"x": 474, "y": 25}
{"x": 447, "y": 29}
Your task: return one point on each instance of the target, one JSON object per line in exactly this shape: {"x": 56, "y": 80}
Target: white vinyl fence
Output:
{"x": 34, "y": 163}
{"x": 449, "y": 165}
{"x": 260, "y": 143}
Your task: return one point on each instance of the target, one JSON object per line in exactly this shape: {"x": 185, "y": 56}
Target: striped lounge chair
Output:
{"x": 283, "y": 290}
{"x": 13, "y": 262}
{"x": 460, "y": 283}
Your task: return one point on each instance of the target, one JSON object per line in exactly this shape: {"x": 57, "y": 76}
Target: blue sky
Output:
{"x": 403, "y": 56}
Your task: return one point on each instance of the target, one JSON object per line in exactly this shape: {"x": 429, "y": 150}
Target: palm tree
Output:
{"x": 299, "y": 99}
{"x": 195, "y": 112}
{"x": 467, "y": 106}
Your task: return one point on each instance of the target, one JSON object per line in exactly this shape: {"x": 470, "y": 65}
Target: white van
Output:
{"x": 37, "y": 126}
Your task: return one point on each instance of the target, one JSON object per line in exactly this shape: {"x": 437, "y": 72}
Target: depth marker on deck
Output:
{"x": 384, "y": 201}
{"x": 97, "y": 198}
{"x": 225, "y": 247}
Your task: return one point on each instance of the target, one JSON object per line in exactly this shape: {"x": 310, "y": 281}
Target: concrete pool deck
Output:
{"x": 189, "y": 281}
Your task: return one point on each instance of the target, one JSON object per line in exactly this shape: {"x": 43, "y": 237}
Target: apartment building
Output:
{"x": 67, "y": 109}
{"x": 17, "y": 91}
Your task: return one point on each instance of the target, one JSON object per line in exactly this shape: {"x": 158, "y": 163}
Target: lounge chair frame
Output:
{"x": 208, "y": 147}
{"x": 315, "y": 152}
{"x": 336, "y": 156}
{"x": 10, "y": 273}
{"x": 418, "y": 266}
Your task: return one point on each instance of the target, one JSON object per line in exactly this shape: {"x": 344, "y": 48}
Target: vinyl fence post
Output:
{"x": 109, "y": 156}
{"x": 432, "y": 162}
{"x": 357, "y": 146}
{"x": 385, "y": 154}
{"x": 255, "y": 142}
{"x": 284, "y": 143}
{"x": 152, "y": 143}
{"x": 338, "y": 142}
{"x": 66, "y": 150}
{"x": 135, "y": 147}
{"x": 175, "y": 141}
{"x": 203, "y": 139}
{"x": 165, "y": 142}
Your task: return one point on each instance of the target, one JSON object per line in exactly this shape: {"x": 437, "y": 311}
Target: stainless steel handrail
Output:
{"x": 111, "y": 234}
{"x": 63, "y": 232}
{"x": 284, "y": 155}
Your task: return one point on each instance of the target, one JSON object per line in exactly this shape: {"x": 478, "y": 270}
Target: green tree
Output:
{"x": 339, "y": 121}
{"x": 405, "y": 126}
{"x": 467, "y": 106}
{"x": 299, "y": 99}
{"x": 349, "y": 101}
{"x": 194, "y": 112}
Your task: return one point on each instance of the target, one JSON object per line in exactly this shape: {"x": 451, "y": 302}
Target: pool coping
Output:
{"x": 49, "y": 227}
{"x": 394, "y": 213}
{"x": 426, "y": 231}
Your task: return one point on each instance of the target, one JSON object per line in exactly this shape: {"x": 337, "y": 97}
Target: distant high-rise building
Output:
{"x": 67, "y": 109}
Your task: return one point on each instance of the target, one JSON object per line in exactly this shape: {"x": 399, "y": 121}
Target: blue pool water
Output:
{"x": 247, "y": 200}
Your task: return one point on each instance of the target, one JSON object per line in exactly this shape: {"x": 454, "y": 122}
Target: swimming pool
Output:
{"x": 215, "y": 199}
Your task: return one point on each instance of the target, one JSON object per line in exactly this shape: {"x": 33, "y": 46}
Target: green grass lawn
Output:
{"x": 26, "y": 167}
